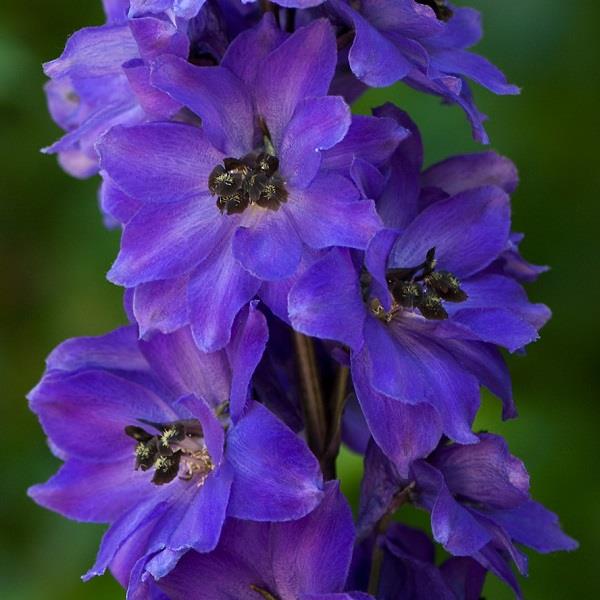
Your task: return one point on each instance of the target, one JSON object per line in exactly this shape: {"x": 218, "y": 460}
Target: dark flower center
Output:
{"x": 420, "y": 287}
{"x": 178, "y": 449}
{"x": 252, "y": 179}
{"x": 442, "y": 12}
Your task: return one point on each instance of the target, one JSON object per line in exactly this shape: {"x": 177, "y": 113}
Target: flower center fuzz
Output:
{"x": 442, "y": 12}
{"x": 420, "y": 287}
{"x": 178, "y": 449}
{"x": 253, "y": 179}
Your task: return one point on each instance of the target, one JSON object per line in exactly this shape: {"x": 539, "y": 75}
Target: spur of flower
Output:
{"x": 163, "y": 443}
{"x": 240, "y": 199}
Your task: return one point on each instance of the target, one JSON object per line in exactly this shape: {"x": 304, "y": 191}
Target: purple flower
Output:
{"x": 245, "y": 197}
{"x": 163, "y": 443}
{"x": 102, "y": 78}
{"x": 306, "y": 559}
{"x": 423, "y": 43}
{"x": 424, "y": 314}
{"x": 478, "y": 497}
{"x": 408, "y": 569}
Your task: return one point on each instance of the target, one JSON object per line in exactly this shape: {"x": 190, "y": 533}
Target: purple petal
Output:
{"x": 323, "y": 539}
{"x": 317, "y": 124}
{"x": 477, "y": 68}
{"x": 184, "y": 369}
{"x": 468, "y": 231}
{"x": 371, "y": 139}
{"x": 461, "y": 173}
{"x": 165, "y": 241}
{"x": 122, "y": 530}
{"x": 216, "y": 95}
{"x": 94, "y": 52}
{"x": 218, "y": 289}
{"x": 85, "y": 414}
{"x": 535, "y": 526}
{"x": 484, "y": 473}
{"x": 488, "y": 365}
{"x": 374, "y": 58}
{"x": 267, "y": 245}
{"x": 93, "y": 492}
{"x": 157, "y": 36}
{"x": 429, "y": 373}
{"x": 330, "y": 213}
{"x": 161, "y": 305}
{"x": 265, "y": 487}
{"x": 306, "y": 62}
{"x": 117, "y": 350}
{"x": 116, "y": 203}
{"x": 465, "y": 577}
{"x": 326, "y": 301}
{"x": 158, "y": 162}
{"x": 246, "y": 52}
{"x": 248, "y": 341}
{"x": 452, "y": 525}
{"x": 404, "y": 432}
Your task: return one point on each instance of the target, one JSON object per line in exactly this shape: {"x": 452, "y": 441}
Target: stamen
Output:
{"x": 420, "y": 287}
{"x": 253, "y": 179}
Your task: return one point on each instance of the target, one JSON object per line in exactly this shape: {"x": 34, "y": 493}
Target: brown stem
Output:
{"x": 381, "y": 527}
{"x": 312, "y": 398}
{"x": 334, "y": 434}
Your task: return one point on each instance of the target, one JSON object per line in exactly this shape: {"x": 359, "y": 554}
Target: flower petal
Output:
{"x": 461, "y": 173}
{"x": 265, "y": 487}
{"x": 161, "y": 305}
{"x": 326, "y": 301}
{"x": 267, "y": 245}
{"x": 184, "y": 369}
{"x": 468, "y": 231}
{"x": 331, "y": 213}
{"x": 85, "y": 414}
{"x": 93, "y": 492}
{"x": 323, "y": 539}
{"x": 306, "y": 62}
{"x": 317, "y": 124}
{"x": 158, "y": 162}
{"x": 216, "y": 95}
{"x": 165, "y": 241}
{"x": 218, "y": 289}
{"x": 248, "y": 341}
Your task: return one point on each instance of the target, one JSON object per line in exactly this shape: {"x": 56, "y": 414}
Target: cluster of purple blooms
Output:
{"x": 294, "y": 280}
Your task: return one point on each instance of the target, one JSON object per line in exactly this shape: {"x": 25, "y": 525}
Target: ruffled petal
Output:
{"x": 317, "y": 125}
{"x": 216, "y": 95}
{"x": 306, "y": 62}
{"x": 267, "y": 245}
{"x": 326, "y": 301}
{"x": 330, "y": 212}
{"x": 159, "y": 162}
{"x": 468, "y": 231}
{"x": 265, "y": 487}
{"x": 218, "y": 289}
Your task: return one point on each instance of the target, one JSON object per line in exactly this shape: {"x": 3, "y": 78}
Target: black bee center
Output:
{"x": 442, "y": 12}
{"x": 176, "y": 450}
{"x": 425, "y": 289}
{"x": 253, "y": 179}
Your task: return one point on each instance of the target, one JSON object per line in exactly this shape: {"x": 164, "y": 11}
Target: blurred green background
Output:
{"x": 54, "y": 252}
